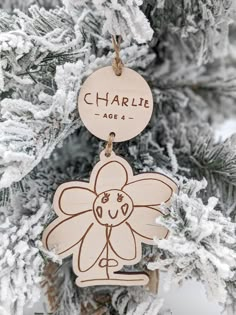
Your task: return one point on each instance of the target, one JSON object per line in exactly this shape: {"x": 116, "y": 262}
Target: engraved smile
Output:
{"x": 113, "y": 217}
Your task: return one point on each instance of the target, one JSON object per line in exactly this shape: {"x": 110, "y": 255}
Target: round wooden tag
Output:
{"x": 120, "y": 104}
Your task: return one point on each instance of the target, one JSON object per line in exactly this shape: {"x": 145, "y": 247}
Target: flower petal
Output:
{"x": 63, "y": 235}
{"x": 93, "y": 244}
{"x": 150, "y": 189}
{"x": 73, "y": 197}
{"x": 112, "y": 175}
{"x": 122, "y": 242}
{"x": 143, "y": 222}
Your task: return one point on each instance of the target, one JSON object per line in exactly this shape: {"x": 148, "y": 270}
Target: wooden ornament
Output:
{"x": 119, "y": 104}
{"x": 102, "y": 223}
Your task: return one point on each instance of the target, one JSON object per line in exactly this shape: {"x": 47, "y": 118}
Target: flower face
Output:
{"x": 103, "y": 222}
{"x": 112, "y": 207}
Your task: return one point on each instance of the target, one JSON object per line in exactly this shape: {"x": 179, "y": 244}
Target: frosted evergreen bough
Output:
{"x": 201, "y": 242}
{"x": 186, "y": 50}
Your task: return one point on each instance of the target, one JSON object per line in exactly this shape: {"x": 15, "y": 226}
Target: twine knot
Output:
{"x": 117, "y": 63}
{"x": 109, "y": 145}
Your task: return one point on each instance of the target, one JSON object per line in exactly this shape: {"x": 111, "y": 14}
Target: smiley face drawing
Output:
{"x": 112, "y": 207}
{"x": 103, "y": 223}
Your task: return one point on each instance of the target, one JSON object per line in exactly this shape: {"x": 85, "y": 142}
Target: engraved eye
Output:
{"x": 105, "y": 198}
{"x": 120, "y": 197}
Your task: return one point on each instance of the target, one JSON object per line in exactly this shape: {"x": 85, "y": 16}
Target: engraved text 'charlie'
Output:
{"x": 107, "y": 99}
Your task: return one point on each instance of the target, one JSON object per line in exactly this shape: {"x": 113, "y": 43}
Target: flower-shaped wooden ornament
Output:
{"x": 103, "y": 223}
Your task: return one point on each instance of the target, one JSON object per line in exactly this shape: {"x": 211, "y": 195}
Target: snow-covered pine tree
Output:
{"x": 186, "y": 50}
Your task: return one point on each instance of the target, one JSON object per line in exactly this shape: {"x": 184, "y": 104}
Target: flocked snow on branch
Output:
{"x": 186, "y": 52}
{"x": 121, "y": 17}
{"x": 201, "y": 243}
{"x": 21, "y": 262}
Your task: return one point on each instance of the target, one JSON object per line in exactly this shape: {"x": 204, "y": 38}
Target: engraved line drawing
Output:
{"x": 103, "y": 223}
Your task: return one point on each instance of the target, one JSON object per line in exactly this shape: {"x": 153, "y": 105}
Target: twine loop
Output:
{"x": 109, "y": 145}
{"x": 117, "y": 63}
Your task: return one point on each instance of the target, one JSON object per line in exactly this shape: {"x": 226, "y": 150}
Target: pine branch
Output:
{"x": 201, "y": 28}
{"x": 201, "y": 244}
